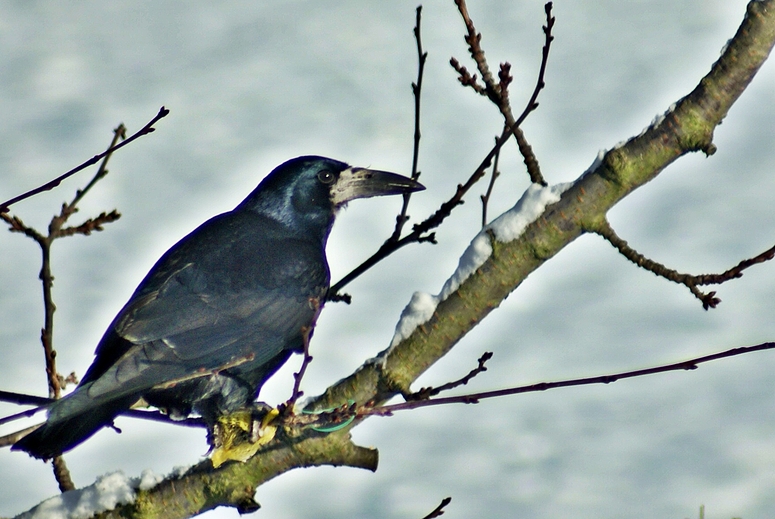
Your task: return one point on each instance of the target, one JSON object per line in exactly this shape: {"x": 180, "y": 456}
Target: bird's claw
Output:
{"x": 239, "y": 435}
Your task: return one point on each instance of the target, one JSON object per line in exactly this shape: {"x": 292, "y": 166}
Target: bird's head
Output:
{"x": 307, "y": 191}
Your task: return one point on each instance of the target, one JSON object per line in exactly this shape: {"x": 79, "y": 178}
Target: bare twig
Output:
{"x": 90, "y": 225}
{"x": 394, "y": 242}
{"x": 118, "y": 134}
{"x": 41, "y": 402}
{"x": 154, "y": 416}
{"x": 709, "y": 300}
{"x": 439, "y": 510}
{"x": 148, "y": 128}
{"x": 524, "y": 148}
{"x": 355, "y": 412}
{"x": 736, "y": 271}
{"x": 10, "y": 439}
{"x": 466, "y": 78}
{"x": 56, "y": 230}
{"x": 473, "y": 39}
{"x": 422, "y": 56}
{"x": 233, "y": 363}
{"x": 23, "y": 414}
{"x": 22, "y": 399}
{"x": 486, "y": 196}
{"x": 307, "y": 358}
{"x": 498, "y": 92}
{"x": 62, "y": 474}
{"x": 427, "y": 392}
{"x": 532, "y": 103}
{"x": 421, "y": 232}
{"x": 474, "y": 398}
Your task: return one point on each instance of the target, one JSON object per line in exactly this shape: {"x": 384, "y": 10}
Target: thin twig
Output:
{"x": 498, "y": 92}
{"x": 62, "y": 474}
{"x": 41, "y": 402}
{"x": 56, "y": 229}
{"x": 23, "y": 414}
{"x": 466, "y": 78}
{"x": 532, "y": 103}
{"x": 391, "y": 244}
{"x": 486, "y": 196}
{"x": 148, "y": 128}
{"x": 427, "y": 392}
{"x": 709, "y": 300}
{"x": 355, "y": 412}
{"x": 420, "y": 232}
{"x": 118, "y": 133}
{"x": 474, "y": 398}
{"x": 422, "y": 56}
{"x": 524, "y": 148}
{"x": 306, "y": 334}
{"x": 473, "y": 39}
{"x": 10, "y": 439}
{"x": 439, "y": 510}
{"x": 736, "y": 271}
{"x": 23, "y": 399}
{"x": 154, "y": 416}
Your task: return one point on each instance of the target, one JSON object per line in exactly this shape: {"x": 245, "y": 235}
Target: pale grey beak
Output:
{"x": 364, "y": 183}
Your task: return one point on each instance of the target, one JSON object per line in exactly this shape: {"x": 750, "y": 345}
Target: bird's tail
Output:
{"x": 71, "y": 421}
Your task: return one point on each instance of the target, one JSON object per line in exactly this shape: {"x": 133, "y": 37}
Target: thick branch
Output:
{"x": 203, "y": 488}
{"x": 689, "y": 127}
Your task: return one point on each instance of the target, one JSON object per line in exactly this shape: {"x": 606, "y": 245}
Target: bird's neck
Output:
{"x": 309, "y": 227}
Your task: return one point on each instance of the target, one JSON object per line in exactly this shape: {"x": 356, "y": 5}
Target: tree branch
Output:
{"x": 498, "y": 93}
{"x": 148, "y": 128}
{"x": 475, "y": 398}
{"x": 420, "y": 231}
{"x": 56, "y": 229}
{"x": 486, "y": 196}
{"x": 234, "y": 483}
{"x": 687, "y": 128}
{"x": 439, "y": 510}
{"x": 422, "y": 56}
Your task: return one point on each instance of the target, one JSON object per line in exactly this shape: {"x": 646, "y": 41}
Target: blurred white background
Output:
{"x": 251, "y": 84}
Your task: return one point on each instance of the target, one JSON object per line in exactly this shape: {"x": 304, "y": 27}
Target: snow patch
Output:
{"x": 419, "y": 310}
{"x": 148, "y": 480}
{"x": 108, "y": 492}
{"x": 658, "y": 119}
{"x": 507, "y": 227}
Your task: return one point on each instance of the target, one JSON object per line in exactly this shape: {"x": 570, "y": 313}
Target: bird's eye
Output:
{"x": 326, "y": 176}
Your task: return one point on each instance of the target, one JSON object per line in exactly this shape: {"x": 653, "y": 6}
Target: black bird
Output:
{"x": 221, "y": 310}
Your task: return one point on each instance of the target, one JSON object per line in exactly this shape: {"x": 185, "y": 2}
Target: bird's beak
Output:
{"x": 364, "y": 183}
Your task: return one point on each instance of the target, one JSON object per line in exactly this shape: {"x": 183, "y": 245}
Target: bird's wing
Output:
{"x": 195, "y": 319}
{"x": 215, "y": 299}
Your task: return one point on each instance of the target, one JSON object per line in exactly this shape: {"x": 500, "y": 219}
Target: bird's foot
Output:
{"x": 239, "y": 435}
